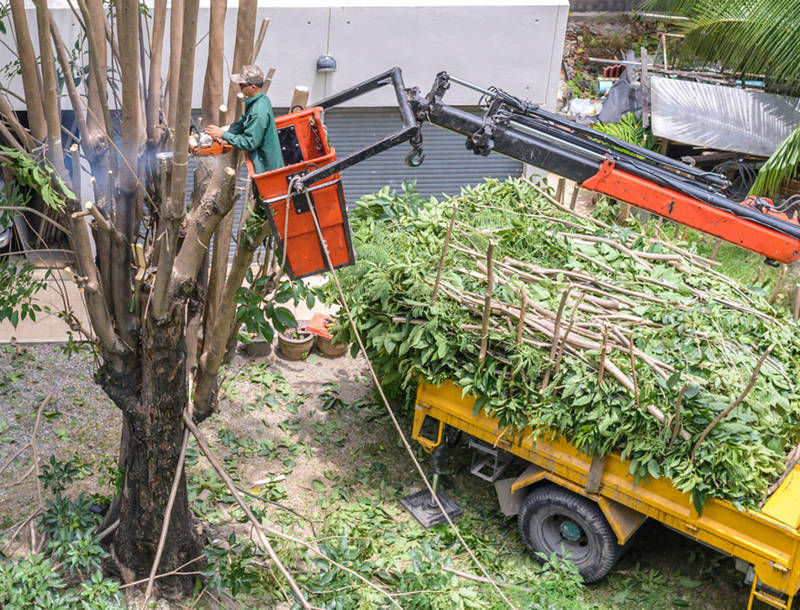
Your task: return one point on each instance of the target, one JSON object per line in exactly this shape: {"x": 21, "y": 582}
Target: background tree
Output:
{"x": 142, "y": 261}
{"x": 747, "y": 38}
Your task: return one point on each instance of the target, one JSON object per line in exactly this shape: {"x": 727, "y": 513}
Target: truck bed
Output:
{"x": 768, "y": 538}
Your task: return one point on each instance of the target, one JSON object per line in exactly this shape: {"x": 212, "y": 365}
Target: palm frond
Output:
{"x": 668, "y": 7}
{"x": 741, "y": 36}
{"x": 780, "y": 167}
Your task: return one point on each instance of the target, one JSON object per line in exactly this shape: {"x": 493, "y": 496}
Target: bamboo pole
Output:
{"x": 560, "y": 188}
{"x": 556, "y": 329}
{"x": 736, "y": 402}
{"x": 677, "y": 425}
{"x": 603, "y": 352}
{"x": 778, "y": 284}
{"x": 444, "y": 251}
{"x": 487, "y": 306}
{"x": 796, "y": 309}
{"x": 523, "y": 303}
{"x": 299, "y": 98}
{"x": 574, "y": 199}
{"x": 633, "y": 372}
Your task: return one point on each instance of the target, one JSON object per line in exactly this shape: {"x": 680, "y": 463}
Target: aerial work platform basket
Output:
{"x": 305, "y": 148}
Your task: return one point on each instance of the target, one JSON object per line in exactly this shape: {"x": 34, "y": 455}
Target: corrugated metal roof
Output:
{"x": 726, "y": 118}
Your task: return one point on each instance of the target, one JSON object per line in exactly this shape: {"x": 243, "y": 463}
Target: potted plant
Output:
{"x": 330, "y": 347}
{"x": 295, "y": 343}
{"x": 320, "y": 325}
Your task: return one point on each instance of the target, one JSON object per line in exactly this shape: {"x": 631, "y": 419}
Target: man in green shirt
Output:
{"x": 255, "y": 131}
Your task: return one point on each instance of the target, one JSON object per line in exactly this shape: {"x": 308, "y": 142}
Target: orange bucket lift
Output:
{"x": 311, "y": 175}
{"x": 305, "y": 148}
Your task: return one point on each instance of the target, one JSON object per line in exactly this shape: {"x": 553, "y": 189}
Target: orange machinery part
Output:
{"x": 688, "y": 211}
{"x": 303, "y": 249}
{"x": 217, "y": 147}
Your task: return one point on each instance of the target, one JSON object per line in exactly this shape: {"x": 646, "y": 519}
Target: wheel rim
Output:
{"x": 565, "y": 535}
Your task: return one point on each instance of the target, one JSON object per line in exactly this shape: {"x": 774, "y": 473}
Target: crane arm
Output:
{"x": 640, "y": 177}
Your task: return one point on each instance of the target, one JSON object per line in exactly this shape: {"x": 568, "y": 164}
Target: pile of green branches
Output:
{"x": 612, "y": 339}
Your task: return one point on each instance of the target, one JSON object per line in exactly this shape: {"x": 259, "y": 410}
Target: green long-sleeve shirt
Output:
{"x": 256, "y": 134}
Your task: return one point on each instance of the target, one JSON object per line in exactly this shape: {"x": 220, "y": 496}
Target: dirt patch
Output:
{"x": 79, "y": 421}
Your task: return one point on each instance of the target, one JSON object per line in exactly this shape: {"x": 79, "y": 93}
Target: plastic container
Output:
{"x": 305, "y": 147}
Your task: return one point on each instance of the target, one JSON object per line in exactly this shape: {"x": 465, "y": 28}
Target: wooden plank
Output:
{"x": 595, "y": 476}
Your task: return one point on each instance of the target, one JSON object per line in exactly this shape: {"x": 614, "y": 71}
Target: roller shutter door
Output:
{"x": 447, "y": 167}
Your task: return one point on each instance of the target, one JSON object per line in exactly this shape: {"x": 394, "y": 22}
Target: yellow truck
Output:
{"x": 589, "y": 507}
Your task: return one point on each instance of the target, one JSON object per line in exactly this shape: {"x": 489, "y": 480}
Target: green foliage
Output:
{"x": 235, "y": 567}
{"x": 39, "y": 177}
{"x": 57, "y": 475}
{"x": 747, "y": 38}
{"x": 260, "y": 314}
{"x": 707, "y": 330}
{"x": 560, "y": 585}
{"x": 65, "y": 519}
{"x": 629, "y": 129}
{"x": 582, "y": 84}
{"x": 31, "y": 583}
{"x": 413, "y": 564}
{"x": 782, "y": 165}
{"x": 757, "y": 37}
{"x": 17, "y": 289}
{"x": 73, "y": 551}
{"x": 79, "y": 551}
{"x": 34, "y": 583}
{"x": 99, "y": 593}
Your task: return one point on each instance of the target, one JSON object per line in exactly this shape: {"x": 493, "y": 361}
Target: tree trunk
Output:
{"x": 151, "y": 446}
{"x": 212, "y": 89}
{"x": 31, "y": 79}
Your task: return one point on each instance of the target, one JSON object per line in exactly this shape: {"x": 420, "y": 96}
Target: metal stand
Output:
{"x": 488, "y": 462}
{"x": 422, "y": 504}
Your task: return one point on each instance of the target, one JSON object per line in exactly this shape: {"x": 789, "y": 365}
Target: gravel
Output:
{"x": 79, "y": 421}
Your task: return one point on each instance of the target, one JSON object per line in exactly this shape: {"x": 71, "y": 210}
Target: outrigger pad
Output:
{"x": 424, "y": 509}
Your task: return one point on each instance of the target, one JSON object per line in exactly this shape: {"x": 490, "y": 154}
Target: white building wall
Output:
{"x": 514, "y": 45}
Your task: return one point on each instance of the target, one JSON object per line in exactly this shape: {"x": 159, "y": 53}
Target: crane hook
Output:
{"x": 415, "y": 157}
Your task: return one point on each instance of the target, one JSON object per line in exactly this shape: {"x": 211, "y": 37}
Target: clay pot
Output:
{"x": 296, "y": 343}
{"x": 331, "y": 348}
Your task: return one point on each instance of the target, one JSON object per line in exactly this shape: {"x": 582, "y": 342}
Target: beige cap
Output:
{"x": 252, "y": 75}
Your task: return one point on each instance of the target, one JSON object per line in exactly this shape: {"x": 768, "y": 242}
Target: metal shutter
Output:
{"x": 447, "y": 167}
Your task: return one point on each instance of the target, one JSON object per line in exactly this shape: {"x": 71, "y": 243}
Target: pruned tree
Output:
{"x": 142, "y": 250}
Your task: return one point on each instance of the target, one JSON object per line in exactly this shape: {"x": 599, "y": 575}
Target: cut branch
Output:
{"x": 736, "y": 402}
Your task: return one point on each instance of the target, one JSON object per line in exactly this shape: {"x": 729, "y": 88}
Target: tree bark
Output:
{"x": 98, "y": 120}
{"x": 49, "y": 92}
{"x": 31, "y": 79}
{"x": 154, "y": 431}
{"x": 175, "y": 40}
{"x": 153, "y": 105}
{"x": 212, "y": 89}
{"x": 243, "y": 53}
{"x": 176, "y": 207}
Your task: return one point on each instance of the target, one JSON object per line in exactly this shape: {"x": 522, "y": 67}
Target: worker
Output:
{"x": 255, "y": 131}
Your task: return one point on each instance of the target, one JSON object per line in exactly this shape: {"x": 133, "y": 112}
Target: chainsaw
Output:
{"x": 203, "y": 145}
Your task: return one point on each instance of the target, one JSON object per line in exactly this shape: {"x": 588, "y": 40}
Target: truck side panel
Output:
{"x": 772, "y": 546}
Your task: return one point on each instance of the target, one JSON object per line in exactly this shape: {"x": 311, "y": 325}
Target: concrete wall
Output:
{"x": 514, "y": 45}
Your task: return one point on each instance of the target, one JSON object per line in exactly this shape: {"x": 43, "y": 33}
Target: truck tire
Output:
{"x": 554, "y": 520}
